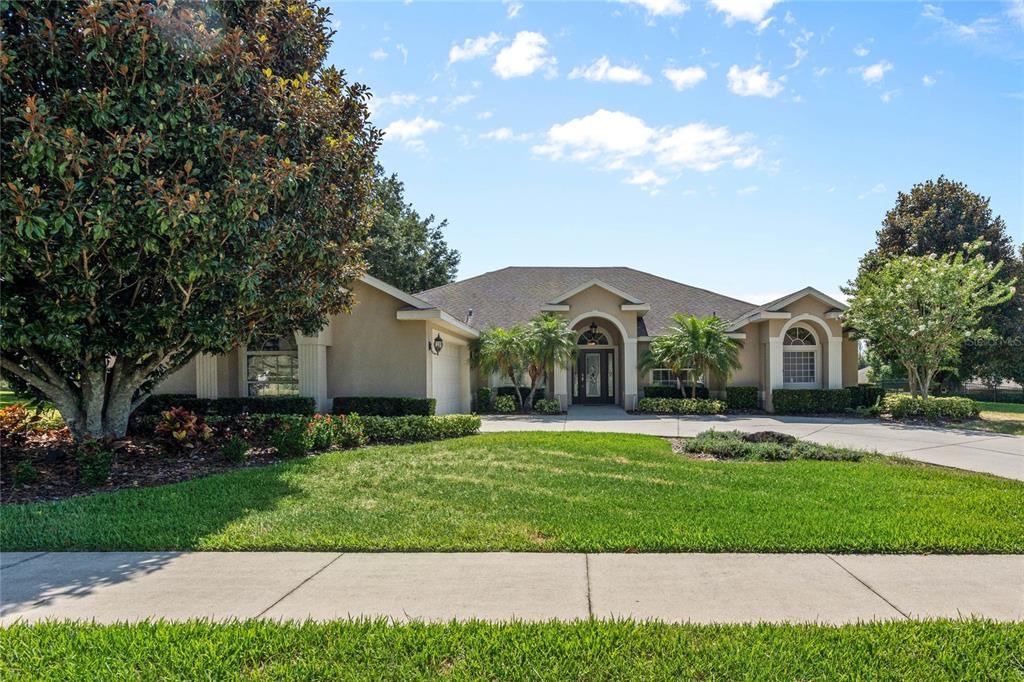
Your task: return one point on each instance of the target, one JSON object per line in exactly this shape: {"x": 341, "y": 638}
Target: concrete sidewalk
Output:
{"x": 981, "y": 451}
{"x": 704, "y": 588}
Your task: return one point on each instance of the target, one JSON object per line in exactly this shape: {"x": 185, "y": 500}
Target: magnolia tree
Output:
{"x": 176, "y": 178}
{"x": 922, "y": 309}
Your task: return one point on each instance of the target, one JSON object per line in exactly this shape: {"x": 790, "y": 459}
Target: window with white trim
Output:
{"x": 272, "y": 368}
{"x": 663, "y": 376}
{"x": 800, "y": 358}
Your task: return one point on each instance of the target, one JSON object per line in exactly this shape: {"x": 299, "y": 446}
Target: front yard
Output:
{"x": 998, "y": 417}
{"x": 542, "y": 492}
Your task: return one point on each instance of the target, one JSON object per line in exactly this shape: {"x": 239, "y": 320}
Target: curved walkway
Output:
{"x": 981, "y": 451}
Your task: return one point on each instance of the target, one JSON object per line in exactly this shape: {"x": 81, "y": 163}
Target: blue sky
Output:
{"x": 745, "y": 146}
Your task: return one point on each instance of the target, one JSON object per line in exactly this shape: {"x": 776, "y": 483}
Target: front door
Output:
{"x": 595, "y": 377}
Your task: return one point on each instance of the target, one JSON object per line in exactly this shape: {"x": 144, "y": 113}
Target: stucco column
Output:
{"x": 313, "y": 367}
{"x": 774, "y": 370}
{"x": 629, "y": 373}
{"x": 206, "y": 376}
{"x": 560, "y": 386}
{"x": 835, "y": 362}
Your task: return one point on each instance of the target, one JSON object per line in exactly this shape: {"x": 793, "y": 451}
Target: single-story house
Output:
{"x": 393, "y": 343}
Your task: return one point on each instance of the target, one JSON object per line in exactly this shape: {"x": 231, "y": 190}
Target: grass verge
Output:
{"x": 997, "y": 417}
{"x": 591, "y": 650}
{"x": 542, "y": 492}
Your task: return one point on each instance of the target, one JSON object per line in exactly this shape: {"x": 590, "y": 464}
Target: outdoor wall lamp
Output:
{"x": 436, "y": 347}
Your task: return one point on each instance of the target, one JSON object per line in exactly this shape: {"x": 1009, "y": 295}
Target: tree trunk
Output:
{"x": 693, "y": 385}
{"x": 101, "y": 412}
{"x": 515, "y": 385}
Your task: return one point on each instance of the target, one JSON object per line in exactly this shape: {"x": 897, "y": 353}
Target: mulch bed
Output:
{"x": 138, "y": 463}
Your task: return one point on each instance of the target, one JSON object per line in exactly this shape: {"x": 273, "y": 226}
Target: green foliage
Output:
{"x": 484, "y": 399}
{"x": 865, "y": 395}
{"x": 655, "y": 391}
{"x": 906, "y": 406}
{"x": 416, "y": 428}
{"x": 742, "y": 397}
{"x": 746, "y": 446}
{"x": 156, "y": 404}
{"x": 501, "y": 350}
{"x": 696, "y": 347}
{"x": 680, "y": 406}
{"x": 235, "y": 449}
{"x": 810, "y": 400}
{"x": 384, "y": 407}
{"x": 505, "y": 404}
{"x": 548, "y": 406}
{"x": 550, "y": 342}
{"x": 95, "y": 458}
{"x": 940, "y": 217}
{"x": 341, "y": 431}
{"x": 182, "y": 428}
{"x": 291, "y": 436}
{"x": 405, "y": 250}
{"x": 176, "y": 177}
{"x": 25, "y": 473}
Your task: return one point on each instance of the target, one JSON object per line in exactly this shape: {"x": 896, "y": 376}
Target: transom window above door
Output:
{"x": 593, "y": 336}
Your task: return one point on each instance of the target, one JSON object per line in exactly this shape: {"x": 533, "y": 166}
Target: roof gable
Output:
{"x": 566, "y": 295}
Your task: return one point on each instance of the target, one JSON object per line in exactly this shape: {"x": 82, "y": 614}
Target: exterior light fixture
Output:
{"x": 436, "y": 347}
{"x": 592, "y": 338}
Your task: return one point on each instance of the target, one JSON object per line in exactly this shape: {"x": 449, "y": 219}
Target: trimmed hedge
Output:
{"x": 418, "y": 428}
{"x": 742, "y": 397}
{"x": 865, "y": 395}
{"x": 737, "y": 445}
{"x": 156, "y": 404}
{"x": 484, "y": 399}
{"x": 548, "y": 406}
{"x": 680, "y": 406}
{"x": 524, "y": 391}
{"x": 906, "y": 406}
{"x": 372, "y": 406}
{"x": 810, "y": 400}
{"x": 656, "y": 391}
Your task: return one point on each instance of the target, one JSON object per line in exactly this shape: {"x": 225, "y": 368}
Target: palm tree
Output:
{"x": 550, "y": 342}
{"x": 504, "y": 351}
{"x": 697, "y": 345}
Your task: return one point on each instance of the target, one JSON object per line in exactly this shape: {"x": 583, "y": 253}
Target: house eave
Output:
{"x": 440, "y": 318}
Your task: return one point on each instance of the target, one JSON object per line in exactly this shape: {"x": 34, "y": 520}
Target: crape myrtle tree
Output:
{"x": 939, "y": 217}
{"x": 921, "y": 310}
{"x": 177, "y": 177}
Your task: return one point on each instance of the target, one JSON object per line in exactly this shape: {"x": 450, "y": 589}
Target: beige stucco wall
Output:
{"x": 749, "y": 374}
{"x": 849, "y": 362}
{"x": 600, "y": 299}
{"x": 182, "y": 380}
{"x": 375, "y": 354}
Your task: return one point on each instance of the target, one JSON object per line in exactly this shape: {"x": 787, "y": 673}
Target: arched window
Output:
{"x": 800, "y": 359}
{"x": 272, "y": 367}
{"x": 593, "y": 336}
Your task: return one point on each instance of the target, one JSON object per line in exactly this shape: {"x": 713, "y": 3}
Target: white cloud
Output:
{"x": 512, "y": 9}
{"x": 763, "y": 25}
{"x": 459, "y": 100}
{"x": 700, "y": 147}
{"x": 821, "y": 71}
{"x": 603, "y": 70}
{"x": 1015, "y": 11}
{"x": 604, "y": 132}
{"x": 378, "y": 54}
{"x": 878, "y": 188}
{"x": 743, "y": 10}
{"x": 753, "y": 81}
{"x": 484, "y": 115}
{"x": 661, "y": 8}
{"x": 409, "y": 131}
{"x": 504, "y": 134}
{"x": 646, "y": 179}
{"x": 981, "y": 26}
{"x": 748, "y": 159}
{"x": 876, "y": 72}
{"x": 472, "y": 48}
{"x": 889, "y": 95}
{"x": 927, "y": 81}
{"x": 861, "y": 51}
{"x": 526, "y": 54}
{"x": 799, "y": 45}
{"x": 682, "y": 79}
{"x": 750, "y": 189}
{"x": 396, "y": 100}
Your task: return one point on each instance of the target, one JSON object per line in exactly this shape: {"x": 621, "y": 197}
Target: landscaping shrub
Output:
{"x": 14, "y": 424}
{"x": 742, "y": 397}
{"x": 292, "y": 436}
{"x": 737, "y": 445}
{"x": 340, "y": 431}
{"x": 236, "y": 449}
{"x": 680, "y": 406}
{"x": 505, "y": 404}
{"x": 810, "y": 400}
{"x": 548, "y": 406}
{"x": 484, "y": 397}
{"x": 94, "y": 459}
{"x": 24, "y": 473}
{"x": 865, "y": 395}
{"x": 384, "y": 406}
{"x": 417, "y": 428}
{"x": 906, "y": 406}
{"x": 656, "y": 391}
{"x": 769, "y": 437}
{"x": 156, "y": 404}
{"x": 510, "y": 391}
{"x": 182, "y": 428}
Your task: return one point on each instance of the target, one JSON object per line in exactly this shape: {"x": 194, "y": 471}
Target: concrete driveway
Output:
{"x": 989, "y": 453}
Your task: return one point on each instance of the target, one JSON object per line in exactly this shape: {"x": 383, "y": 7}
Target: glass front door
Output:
{"x": 595, "y": 377}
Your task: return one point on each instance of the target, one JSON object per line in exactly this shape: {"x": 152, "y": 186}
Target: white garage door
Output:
{"x": 450, "y": 368}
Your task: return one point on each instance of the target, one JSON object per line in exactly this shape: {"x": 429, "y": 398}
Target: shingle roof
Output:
{"x": 515, "y": 294}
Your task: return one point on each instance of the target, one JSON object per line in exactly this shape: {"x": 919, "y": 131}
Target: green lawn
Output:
{"x": 587, "y": 650}
{"x": 999, "y": 418}
{"x": 542, "y": 492}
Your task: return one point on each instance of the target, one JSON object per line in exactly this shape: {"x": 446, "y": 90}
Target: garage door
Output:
{"x": 450, "y": 368}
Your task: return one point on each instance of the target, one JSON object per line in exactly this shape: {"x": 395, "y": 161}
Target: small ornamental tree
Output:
{"x": 503, "y": 351}
{"x": 550, "y": 342}
{"x": 696, "y": 346}
{"x": 176, "y": 177}
{"x": 921, "y": 309}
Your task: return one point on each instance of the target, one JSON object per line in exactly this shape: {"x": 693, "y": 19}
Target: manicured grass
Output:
{"x": 587, "y": 650}
{"x": 998, "y": 418}
{"x": 542, "y": 492}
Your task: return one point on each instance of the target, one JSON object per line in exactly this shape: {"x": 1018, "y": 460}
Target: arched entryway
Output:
{"x": 596, "y": 377}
